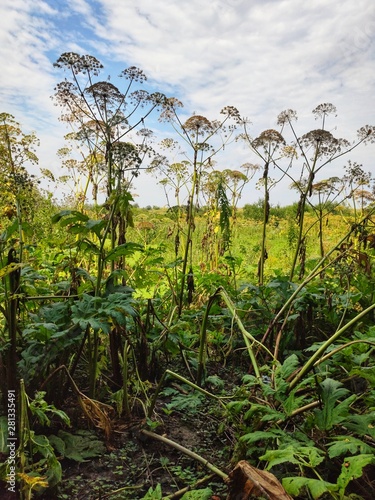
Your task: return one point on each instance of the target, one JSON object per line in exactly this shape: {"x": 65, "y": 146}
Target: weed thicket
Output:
{"x": 260, "y": 318}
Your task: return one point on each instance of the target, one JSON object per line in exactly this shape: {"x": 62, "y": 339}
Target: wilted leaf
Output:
{"x": 246, "y": 481}
{"x": 10, "y": 268}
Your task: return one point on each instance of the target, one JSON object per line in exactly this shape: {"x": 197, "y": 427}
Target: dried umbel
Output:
{"x": 105, "y": 94}
{"x": 170, "y": 105}
{"x": 287, "y": 116}
{"x": 198, "y": 124}
{"x": 134, "y": 74}
{"x": 65, "y": 93}
{"x": 367, "y": 134}
{"x": 323, "y": 142}
{"x": 140, "y": 97}
{"x": 269, "y": 138}
{"x": 326, "y": 186}
{"x": 356, "y": 174}
{"x": 232, "y": 112}
{"x": 79, "y": 64}
{"x": 125, "y": 155}
{"x": 324, "y": 109}
{"x": 235, "y": 175}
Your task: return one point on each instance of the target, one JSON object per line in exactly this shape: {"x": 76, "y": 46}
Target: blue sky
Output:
{"x": 262, "y": 56}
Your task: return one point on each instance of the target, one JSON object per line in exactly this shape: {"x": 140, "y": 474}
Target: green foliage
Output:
{"x": 254, "y": 211}
{"x": 44, "y": 411}
{"x": 3, "y": 434}
{"x": 308, "y": 456}
{"x": 316, "y": 487}
{"x": 79, "y": 446}
{"x": 204, "y": 494}
{"x": 341, "y": 445}
{"x": 109, "y": 299}
{"x": 332, "y": 413}
{"x": 154, "y": 494}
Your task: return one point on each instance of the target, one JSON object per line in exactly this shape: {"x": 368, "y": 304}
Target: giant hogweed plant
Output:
{"x": 312, "y": 153}
{"x": 205, "y": 138}
{"x": 104, "y": 119}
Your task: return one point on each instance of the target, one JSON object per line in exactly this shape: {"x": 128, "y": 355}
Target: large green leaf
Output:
{"x": 363, "y": 425}
{"x": 154, "y": 494}
{"x": 295, "y": 454}
{"x": 295, "y": 485}
{"x": 348, "y": 444}
{"x": 79, "y": 446}
{"x": 71, "y": 216}
{"x": 204, "y": 494}
{"x": 124, "y": 250}
{"x": 332, "y": 413}
{"x": 253, "y": 437}
{"x": 352, "y": 468}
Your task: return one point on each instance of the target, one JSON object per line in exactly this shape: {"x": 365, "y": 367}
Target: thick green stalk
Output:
{"x": 302, "y": 207}
{"x": 125, "y": 395}
{"x": 341, "y": 347}
{"x": 264, "y": 229}
{"x": 93, "y": 363}
{"x": 250, "y": 341}
{"x": 189, "y": 232}
{"x": 317, "y": 355}
{"x": 246, "y": 335}
{"x": 203, "y": 338}
{"x": 187, "y": 452}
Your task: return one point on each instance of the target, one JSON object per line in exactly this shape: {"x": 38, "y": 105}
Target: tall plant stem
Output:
{"x": 250, "y": 341}
{"x": 24, "y": 427}
{"x": 264, "y": 228}
{"x": 125, "y": 395}
{"x": 189, "y": 232}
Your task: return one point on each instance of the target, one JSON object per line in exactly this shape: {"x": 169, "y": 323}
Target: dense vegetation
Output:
{"x": 148, "y": 347}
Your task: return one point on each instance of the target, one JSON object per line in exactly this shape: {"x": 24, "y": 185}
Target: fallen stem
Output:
{"x": 124, "y": 488}
{"x": 187, "y": 452}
